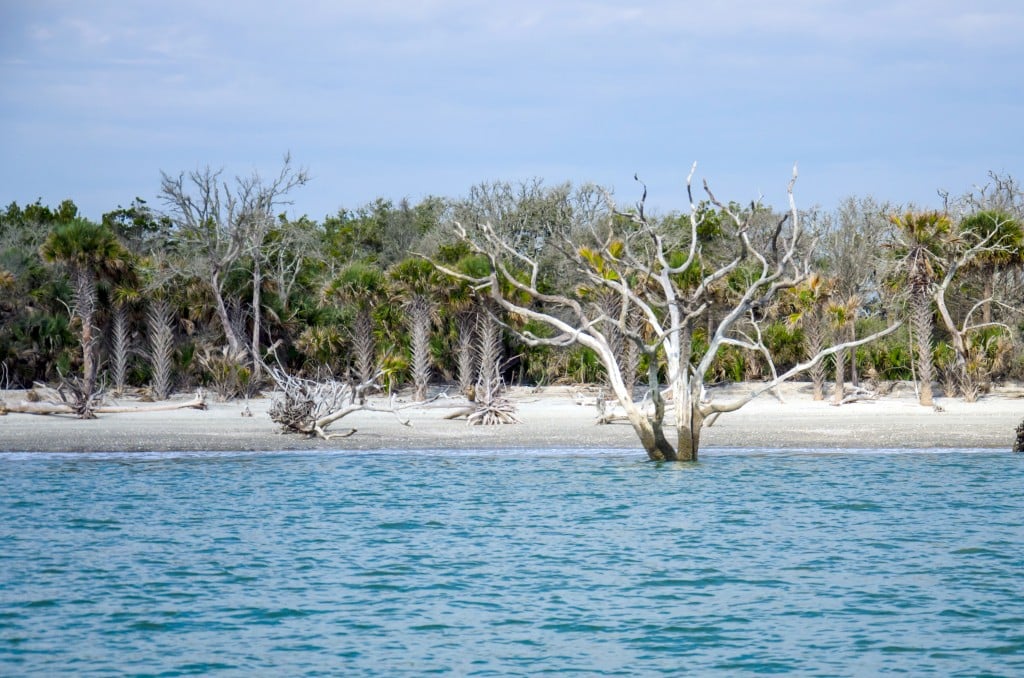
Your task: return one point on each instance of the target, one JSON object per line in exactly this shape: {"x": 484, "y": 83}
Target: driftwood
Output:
{"x": 858, "y": 394}
{"x": 44, "y": 407}
{"x": 309, "y": 406}
{"x": 490, "y": 407}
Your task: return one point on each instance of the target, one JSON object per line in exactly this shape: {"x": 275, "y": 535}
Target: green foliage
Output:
{"x": 785, "y": 342}
{"x": 583, "y": 366}
{"x": 86, "y": 246}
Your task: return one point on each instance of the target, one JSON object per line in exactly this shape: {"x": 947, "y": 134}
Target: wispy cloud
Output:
{"x": 416, "y": 92}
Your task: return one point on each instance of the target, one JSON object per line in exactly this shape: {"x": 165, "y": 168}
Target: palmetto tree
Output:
{"x": 89, "y": 252}
{"x": 841, "y": 316}
{"x": 124, "y": 296}
{"x": 807, "y": 304}
{"x": 919, "y": 239}
{"x": 362, "y": 287}
{"x": 415, "y": 284}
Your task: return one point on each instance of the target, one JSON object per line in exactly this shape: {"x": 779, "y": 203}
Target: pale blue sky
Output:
{"x": 894, "y": 99}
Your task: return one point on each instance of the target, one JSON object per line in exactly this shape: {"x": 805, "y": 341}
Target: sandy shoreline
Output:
{"x": 553, "y": 417}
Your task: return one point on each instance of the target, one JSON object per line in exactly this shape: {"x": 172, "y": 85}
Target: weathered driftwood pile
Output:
{"x": 309, "y": 406}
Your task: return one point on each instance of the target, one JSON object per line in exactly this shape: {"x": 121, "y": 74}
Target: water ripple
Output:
{"x": 527, "y": 562}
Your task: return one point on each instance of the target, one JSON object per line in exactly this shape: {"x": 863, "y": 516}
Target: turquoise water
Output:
{"x": 488, "y": 564}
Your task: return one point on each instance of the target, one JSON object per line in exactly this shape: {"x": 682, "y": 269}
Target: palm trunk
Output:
{"x": 814, "y": 342}
{"x": 854, "y": 377}
{"x": 466, "y": 368}
{"x": 85, "y": 306}
{"x": 120, "y": 347}
{"x": 419, "y": 329}
{"x": 364, "y": 347}
{"x": 921, "y": 321}
{"x": 161, "y": 347}
{"x": 489, "y": 353}
{"x": 840, "y": 387}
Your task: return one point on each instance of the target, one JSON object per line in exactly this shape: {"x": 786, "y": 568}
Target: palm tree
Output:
{"x": 89, "y": 252}
{"x": 461, "y": 305}
{"x": 361, "y": 286}
{"x": 807, "y": 304}
{"x": 124, "y": 296}
{"x": 920, "y": 238}
{"x": 416, "y": 282}
{"x": 841, "y": 316}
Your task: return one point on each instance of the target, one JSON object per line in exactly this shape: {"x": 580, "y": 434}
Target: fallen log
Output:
{"x": 49, "y": 407}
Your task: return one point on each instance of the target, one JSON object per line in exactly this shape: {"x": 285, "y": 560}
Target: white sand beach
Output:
{"x": 552, "y": 417}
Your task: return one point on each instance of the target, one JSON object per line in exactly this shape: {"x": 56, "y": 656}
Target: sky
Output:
{"x": 897, "y": 99}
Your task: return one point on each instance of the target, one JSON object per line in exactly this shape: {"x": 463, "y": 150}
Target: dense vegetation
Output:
{"x": 218, "y": 283}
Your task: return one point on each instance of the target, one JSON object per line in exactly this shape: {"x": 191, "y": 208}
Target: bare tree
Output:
{"x": 218, "y": 224}
{"x": 666, "y": 279}
{"x": 850, "y": 240}
{"x": 976, "y": 240}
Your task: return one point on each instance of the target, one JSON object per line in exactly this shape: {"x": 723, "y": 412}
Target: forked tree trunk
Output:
{"x": 222, "y": 315}
{"x": 688, "y": 430}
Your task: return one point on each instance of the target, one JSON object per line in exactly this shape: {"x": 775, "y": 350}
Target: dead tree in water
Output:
{"x": 666, "y": 278}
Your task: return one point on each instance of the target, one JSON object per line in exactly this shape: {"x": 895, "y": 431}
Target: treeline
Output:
{"x": 216, "y": 284}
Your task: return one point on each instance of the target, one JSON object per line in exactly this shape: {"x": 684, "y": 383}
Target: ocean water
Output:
{"x": 512, "y": 563}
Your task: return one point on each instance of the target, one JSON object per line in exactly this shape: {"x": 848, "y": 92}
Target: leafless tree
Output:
{"x": 218, "y": 224}
{"x": 1003, "y": 236}
{"x": 670, "y": 289}
{"x": 851, "y": 239}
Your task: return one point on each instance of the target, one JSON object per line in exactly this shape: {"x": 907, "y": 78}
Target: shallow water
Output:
{"x": 483, "y": 563}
